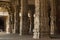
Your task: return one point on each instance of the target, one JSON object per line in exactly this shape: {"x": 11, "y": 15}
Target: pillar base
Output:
{"x": 8, "y": 32}
{"x": 36, "y": 34}
{"x": 20, "y": 34}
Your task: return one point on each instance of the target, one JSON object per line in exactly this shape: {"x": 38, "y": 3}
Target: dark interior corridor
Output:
{"x": 58, "y": 17}
{"x": 2, "y": 27}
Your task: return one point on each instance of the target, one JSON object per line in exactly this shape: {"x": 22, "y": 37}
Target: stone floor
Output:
{"x": 4, "y": 36}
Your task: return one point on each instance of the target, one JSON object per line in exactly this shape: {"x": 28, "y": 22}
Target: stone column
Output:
{"x": 10, "y": 23}
{"x": 24, "y": 17}
{"x": 36, "y": 29}
{"x": 11, "y": 19}
{"x": 13, "y": 9}
{"x": 7, "y": 25}
{"x": 16, "y": 17}
{"x": 31, "y": 21}
{"x": 53, "y": 16}
{"x": 44, "y": 20}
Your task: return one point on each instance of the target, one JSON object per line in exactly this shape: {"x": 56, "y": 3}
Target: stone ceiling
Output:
{"x": 4, "y": 0}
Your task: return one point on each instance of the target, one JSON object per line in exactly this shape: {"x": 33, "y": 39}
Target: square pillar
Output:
{"x": 16, "y": 17}
{"x": 7, "y": 25}
{"x": 53, "y": 17}
{"x": 36, "y": 30}
{"x": 44, "y": 18}
{"x": 24, "y": 17}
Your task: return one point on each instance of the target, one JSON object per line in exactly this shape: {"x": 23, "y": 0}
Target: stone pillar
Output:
{"x": 7, "y": 25}
{"x": 44, "y": 20}
{"x": 14, "y": 21}
{"x": 24, "y": 17}
{"x": 53, "y": 16}
{"x": 10, "y": 23}
{"x": 11, "y": 18}
{"x": 13, "y": 9}
{"x": 11, "y": 15}
{"x": 16, "y": 17}
{"x": 36, "y": 29}
{"x": 31, "y": 21}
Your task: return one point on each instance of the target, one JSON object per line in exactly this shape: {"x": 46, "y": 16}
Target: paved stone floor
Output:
{"x": 4, "y": 36}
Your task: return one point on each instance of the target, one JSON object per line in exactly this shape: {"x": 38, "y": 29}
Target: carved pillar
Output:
{"x": 31, "y": 21}
{"x": 7, "y": 25}
{"x": 36, "y": 29}
{"x": 12, "y": 18}
{"x": 24, "y": 17}
{"x": 44, "y": 21}
{"x": 16, "y": 17}
{"x": 13, "y": 9}
{"x": 53, "y": 16}
{"x": 10, "y": 23}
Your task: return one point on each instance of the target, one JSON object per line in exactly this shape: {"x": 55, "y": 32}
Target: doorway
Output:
{"x": 2, "y": 26}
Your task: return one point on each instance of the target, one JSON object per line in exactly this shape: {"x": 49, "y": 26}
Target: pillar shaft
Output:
{"x": 36, "y": 29}
{"x": 44, "y": 21}
{"x": 53, "y": 16}
{"x": 16, "y": 17}
{"x": 10, "y": 23}
{"x": 7, "y": 25}
{"x": 24, "y": 17}
{"x": 31, "y": 22}
{"x": 15, "y": 21}
{"x": 41, "y": 18}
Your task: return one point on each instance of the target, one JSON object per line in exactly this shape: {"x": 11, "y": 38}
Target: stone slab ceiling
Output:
{"x": 5, "y": 0}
